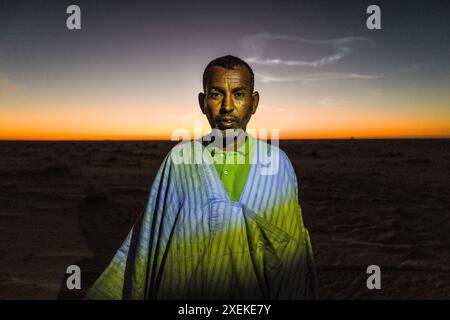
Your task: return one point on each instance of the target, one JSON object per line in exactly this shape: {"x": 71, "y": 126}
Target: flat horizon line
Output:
{"x": 168, "y": 140}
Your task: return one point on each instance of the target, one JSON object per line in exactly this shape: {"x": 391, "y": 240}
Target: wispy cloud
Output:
{"x": 316, "y": 77}
{"x": 331, "y": 76}
{"x": 412, "y": 68}
{"x": 257, "y": 43}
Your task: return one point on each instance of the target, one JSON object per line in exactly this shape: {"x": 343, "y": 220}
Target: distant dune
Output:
{"x": 383, "y": 202}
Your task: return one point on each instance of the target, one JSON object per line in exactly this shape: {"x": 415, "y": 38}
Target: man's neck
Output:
{"x": 228, "y": 140}
{"x": 233, "y": 142}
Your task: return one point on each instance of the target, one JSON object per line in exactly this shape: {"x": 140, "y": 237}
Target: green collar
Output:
{"x": 244, "y": 149}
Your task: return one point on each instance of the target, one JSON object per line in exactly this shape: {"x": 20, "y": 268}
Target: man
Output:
{"x": 220, "y": 223}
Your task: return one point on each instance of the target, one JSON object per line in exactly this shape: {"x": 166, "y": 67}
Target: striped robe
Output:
{"x": 191, "y": 242}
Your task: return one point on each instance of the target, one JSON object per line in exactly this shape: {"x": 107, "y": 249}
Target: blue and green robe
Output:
{"x": 192, "y": 242}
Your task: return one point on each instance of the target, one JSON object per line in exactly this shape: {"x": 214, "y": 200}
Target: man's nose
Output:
{"x": 227, "y": 103}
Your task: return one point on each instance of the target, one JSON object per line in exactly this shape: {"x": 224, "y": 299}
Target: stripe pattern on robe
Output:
{"x": 192, "y": 242}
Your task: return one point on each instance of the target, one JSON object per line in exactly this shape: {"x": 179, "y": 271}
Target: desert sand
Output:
{"x": 383, "y": 202}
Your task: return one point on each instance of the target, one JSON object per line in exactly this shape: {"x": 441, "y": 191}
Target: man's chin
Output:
{"x": 229, "y": 126}
{"x": 231, "y": 131}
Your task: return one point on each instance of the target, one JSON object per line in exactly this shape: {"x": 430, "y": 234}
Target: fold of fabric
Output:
{"x": 191, "y": 242}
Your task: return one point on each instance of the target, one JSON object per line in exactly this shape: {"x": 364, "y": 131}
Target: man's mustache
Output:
{"x": 227, "y": 117}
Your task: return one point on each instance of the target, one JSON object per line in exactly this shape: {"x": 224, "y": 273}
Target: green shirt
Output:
{"x": 233, "y": 167}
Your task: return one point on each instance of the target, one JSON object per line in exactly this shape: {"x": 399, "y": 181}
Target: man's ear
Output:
{"x": 255, "y": 97}
{"x": 201, "y": 102}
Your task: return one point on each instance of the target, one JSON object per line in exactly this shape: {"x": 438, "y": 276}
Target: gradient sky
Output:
{"x": 134, "y": 70}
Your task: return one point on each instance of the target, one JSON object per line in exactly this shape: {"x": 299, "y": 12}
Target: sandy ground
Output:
{"x": 383, "y": 202}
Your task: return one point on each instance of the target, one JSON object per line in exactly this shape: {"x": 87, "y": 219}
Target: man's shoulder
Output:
{"x": 184, "y": 145}
{"x": 271, "y": 149}
{"x": 273, "y": 160}
{"x": 184, "y": 151}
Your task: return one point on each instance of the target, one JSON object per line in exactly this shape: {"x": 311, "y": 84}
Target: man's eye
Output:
{"x": 215, "y": 94}
{"x": 239, "y": 94}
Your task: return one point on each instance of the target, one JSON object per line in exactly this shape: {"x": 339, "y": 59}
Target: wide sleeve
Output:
{"x": 134, "y": 271}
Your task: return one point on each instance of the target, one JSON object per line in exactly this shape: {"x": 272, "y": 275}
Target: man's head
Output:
{"x": 228, "y": 99}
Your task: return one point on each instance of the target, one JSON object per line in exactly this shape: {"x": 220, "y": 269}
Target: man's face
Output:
{"x": 228, "y": 101}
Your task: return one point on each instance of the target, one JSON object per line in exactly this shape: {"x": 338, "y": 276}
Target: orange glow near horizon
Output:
{"x": 343, "y": 134}
{"x": 137, "y": 124}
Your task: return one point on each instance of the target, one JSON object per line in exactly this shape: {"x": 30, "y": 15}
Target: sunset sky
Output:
{"x": 134, "y": 70}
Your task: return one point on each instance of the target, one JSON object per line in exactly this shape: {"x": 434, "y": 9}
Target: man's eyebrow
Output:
{"x": 238, "y": 89}
{"x": 221, "y": 90}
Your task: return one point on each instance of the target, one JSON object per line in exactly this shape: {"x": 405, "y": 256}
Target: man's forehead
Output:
{"x": 238, "y": 76}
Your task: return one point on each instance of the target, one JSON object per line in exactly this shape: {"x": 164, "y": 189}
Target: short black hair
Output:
{"x": 228, "y": 62}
